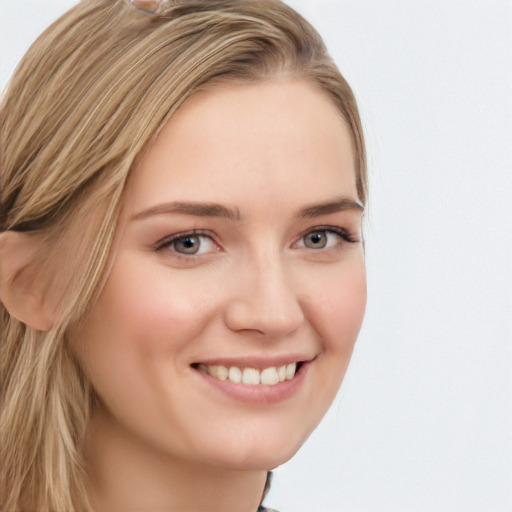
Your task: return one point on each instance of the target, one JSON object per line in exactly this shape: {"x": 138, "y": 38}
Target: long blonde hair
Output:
{"x": 85, "y": 102}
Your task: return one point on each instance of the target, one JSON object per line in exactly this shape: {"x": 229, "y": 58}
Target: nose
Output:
{"x": 264, "y": 302}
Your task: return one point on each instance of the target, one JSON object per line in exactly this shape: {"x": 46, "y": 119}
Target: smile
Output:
{"x": 255, "y": 380}
{"x": 251, "y": 376}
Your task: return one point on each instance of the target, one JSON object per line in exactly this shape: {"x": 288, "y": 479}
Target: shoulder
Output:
{"x": 261, "y": 508}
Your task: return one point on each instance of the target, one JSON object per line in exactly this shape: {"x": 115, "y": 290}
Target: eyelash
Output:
{"x": 341, "y": 232}
{"x": 167, "y": 242}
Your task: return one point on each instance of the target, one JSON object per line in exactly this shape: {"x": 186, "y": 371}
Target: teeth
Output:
{"x": 222, "y": 373}
{"x": 235, "y": 374}
{"x": 290, "y": 371}
{"x": 269, "y": 377}
{"x": 251, "y": 376}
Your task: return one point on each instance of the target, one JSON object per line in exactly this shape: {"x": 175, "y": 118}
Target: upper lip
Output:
{"x": 257, "y": 362}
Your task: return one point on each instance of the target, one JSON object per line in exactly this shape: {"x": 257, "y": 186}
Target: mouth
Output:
{"x": 250, "y": 376}
{"x": 254, "y": 380}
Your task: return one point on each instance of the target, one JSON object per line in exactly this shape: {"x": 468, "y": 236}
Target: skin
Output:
{"x": 163, "y": 438}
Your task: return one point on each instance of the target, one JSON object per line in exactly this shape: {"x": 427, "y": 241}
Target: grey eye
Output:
{"x": 187, "y": 244}
{"x": 315, "y": 240}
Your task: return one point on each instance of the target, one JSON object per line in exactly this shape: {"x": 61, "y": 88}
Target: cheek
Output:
{"x": 338, "y": 303}
{"x": 152, "y": 310}
{"x": 142, "y": 319}
{"x": 347, "y": 309}
{"x": 334, "y": 300}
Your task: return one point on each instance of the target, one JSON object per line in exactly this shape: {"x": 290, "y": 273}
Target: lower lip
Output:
{"x": 259, "y": 394}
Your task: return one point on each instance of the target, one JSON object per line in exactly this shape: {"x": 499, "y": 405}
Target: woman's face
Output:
{"x": 239, "y": 258}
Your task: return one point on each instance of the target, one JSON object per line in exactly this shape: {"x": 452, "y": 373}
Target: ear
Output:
{"x": 24, "y": 289}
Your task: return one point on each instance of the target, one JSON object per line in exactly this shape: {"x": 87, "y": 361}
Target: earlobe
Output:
{"x": 23, "y": 290}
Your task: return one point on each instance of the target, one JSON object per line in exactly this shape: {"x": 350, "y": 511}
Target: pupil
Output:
{"x": 316, "y": 240}
{"x": 187, "y": 245}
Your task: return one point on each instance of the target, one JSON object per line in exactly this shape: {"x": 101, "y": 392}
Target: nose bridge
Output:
{"x": 265, "y": 300}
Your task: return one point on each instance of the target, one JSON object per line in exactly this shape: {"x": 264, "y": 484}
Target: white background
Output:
{"x": 423, "y": 422}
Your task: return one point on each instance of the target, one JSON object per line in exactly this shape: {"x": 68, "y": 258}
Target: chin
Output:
{"x": 257, "y": 454}
{"x": 257, "y": 462}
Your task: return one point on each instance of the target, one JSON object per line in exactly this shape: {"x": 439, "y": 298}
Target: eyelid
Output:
{"x": 346, "y": 236}
{"x": 168, "y": 240}
{"x": 344, "y": 233}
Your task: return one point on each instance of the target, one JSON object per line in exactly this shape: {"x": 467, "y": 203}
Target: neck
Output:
{"x": 126, "y": 474}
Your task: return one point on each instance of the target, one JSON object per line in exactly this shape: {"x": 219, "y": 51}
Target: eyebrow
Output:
{"x": 191, "y": 208}
{"x": 221, "y": 211}
{"x": 338, "y": 205}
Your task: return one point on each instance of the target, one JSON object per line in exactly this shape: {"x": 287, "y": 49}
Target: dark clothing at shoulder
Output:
{"x": 261, "y": 508}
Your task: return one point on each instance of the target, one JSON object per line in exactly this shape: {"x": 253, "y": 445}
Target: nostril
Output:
{"x": 268, "y": 318}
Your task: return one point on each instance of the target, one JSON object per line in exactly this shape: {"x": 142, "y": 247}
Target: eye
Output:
{"x": 188, "y": 244}
{"x": 324, "y": 238}
{"x": 316, "y": 240}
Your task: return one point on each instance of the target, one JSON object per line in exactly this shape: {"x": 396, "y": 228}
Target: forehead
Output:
{"x": 280, "y": 138}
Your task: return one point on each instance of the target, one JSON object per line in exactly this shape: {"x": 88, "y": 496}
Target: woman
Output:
{"x": 182, "y": 272}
